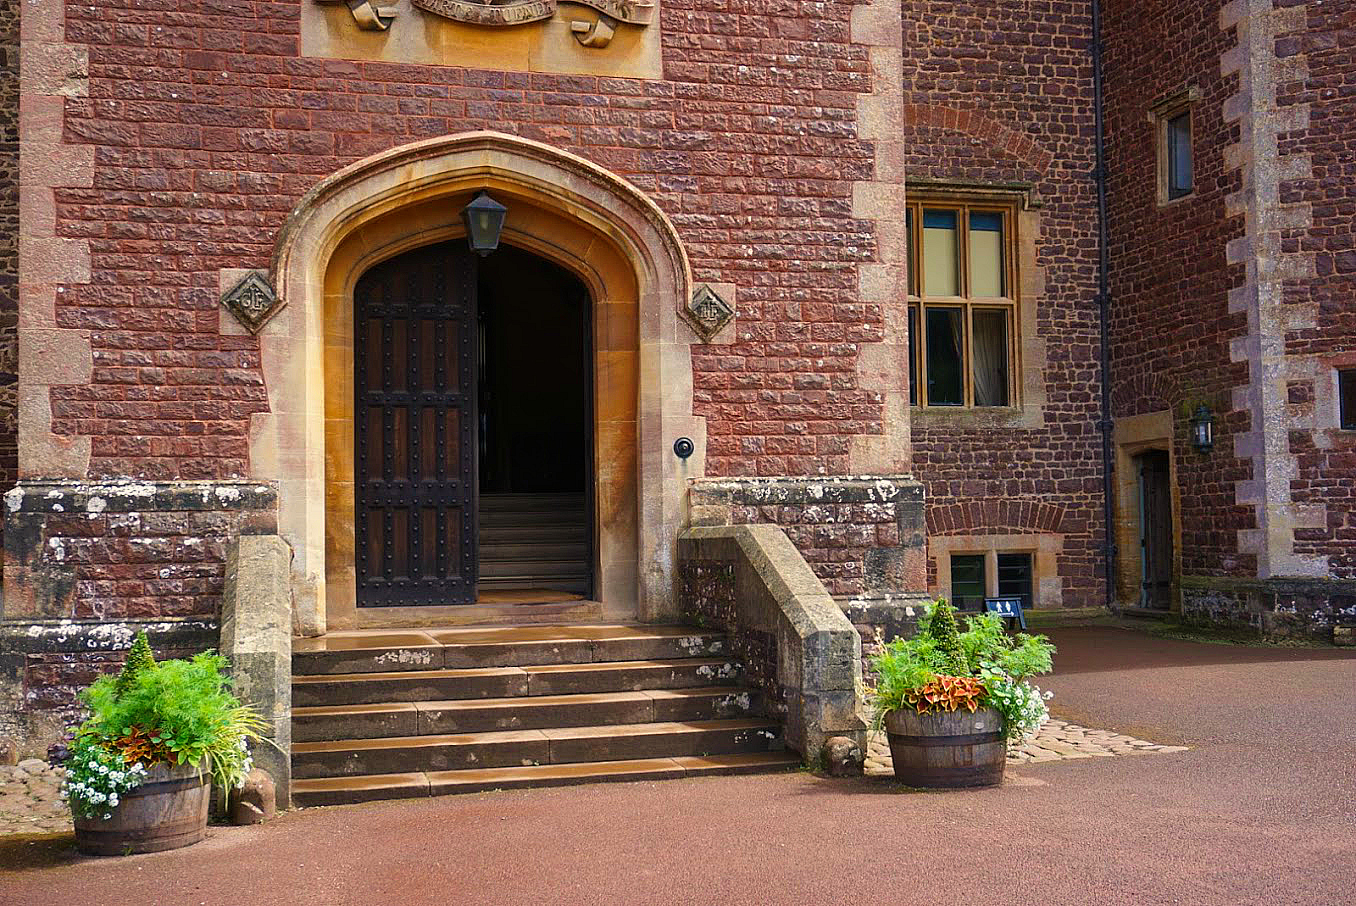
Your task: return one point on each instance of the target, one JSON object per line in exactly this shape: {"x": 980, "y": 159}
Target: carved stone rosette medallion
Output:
{"x": 252, "y": 301}
{"x": 708, "y": 313}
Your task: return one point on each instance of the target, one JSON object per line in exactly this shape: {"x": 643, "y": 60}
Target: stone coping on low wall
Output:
{"x": 789, "y": 491}
{"x": 133, "y": 495}
{"x": 45, "y": 663}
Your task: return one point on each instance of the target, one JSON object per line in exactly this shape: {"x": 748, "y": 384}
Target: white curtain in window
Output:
{"x": 990, "y": 349}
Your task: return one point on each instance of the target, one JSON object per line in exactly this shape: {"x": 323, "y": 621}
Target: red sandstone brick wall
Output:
{"x": 209, "y": 127}
{"x": 9, "y": 241}
{"x": 1171, "y": 325}
{"x": 1327, "y": 463}
{"x": 1002, "y": 93}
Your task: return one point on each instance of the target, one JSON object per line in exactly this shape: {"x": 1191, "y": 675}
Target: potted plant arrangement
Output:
{"x": 950, "y": 701}
{"x": 138, "y": 768}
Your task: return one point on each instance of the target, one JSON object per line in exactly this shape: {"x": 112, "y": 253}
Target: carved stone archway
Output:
{"x": 561, "y": 207}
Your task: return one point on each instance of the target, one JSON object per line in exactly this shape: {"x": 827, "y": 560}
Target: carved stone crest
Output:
{"x": 519, "y": 12}
{"x": 708, "y": 313}
{"x": 370, "y": 15}
{"x": 490, "y": 12}
{"x": 252, "y": 301}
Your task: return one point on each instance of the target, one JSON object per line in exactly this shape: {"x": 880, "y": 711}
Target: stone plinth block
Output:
{"x": 256, "y": 636}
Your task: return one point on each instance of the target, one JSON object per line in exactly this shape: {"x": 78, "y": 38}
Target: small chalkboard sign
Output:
{"x": 1007, "y": 608}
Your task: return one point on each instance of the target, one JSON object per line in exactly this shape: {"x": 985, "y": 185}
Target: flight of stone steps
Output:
{"x": 405, "y": 713}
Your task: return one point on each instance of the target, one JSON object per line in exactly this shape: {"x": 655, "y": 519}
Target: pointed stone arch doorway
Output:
{"x": 562, "y": 208}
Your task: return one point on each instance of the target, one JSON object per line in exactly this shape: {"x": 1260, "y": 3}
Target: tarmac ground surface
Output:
{"x": 1261, "y": 809}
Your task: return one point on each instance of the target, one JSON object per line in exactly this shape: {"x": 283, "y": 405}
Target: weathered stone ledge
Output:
{"x": 131, "y": 495}
{"x": 806, "y": 491}
{"x": 73, "y": 636}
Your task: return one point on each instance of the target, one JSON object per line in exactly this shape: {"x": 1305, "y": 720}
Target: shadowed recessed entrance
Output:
{"x": 562, "y": 208}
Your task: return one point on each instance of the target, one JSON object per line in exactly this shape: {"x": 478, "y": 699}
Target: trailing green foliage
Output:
{"x": 178, "y": 712}
{"x": 139, "y": 660}
{"x": 1002, "y": 662}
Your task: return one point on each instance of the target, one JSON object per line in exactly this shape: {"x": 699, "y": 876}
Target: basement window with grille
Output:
{"x": 1014, "y": 577}
{"x": 968, "y": 581}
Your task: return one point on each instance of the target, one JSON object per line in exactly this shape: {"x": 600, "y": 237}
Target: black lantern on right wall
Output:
{"x": 1203, "y": 429}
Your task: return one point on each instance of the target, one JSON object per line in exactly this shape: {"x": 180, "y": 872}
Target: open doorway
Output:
{"x": 534, "y": 383}
{"x": 473, "y": 440}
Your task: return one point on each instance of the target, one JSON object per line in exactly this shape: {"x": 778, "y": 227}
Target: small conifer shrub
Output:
{"x": 139, "y": 659}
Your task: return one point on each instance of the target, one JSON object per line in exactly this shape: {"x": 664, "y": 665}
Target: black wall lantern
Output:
{"x": 484, "y": 222}
{"x": 1203, "y": 429}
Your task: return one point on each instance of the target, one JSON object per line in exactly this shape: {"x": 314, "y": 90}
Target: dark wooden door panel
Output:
{"x": 414, "y": 424}
{"x": 1156, "y": 529}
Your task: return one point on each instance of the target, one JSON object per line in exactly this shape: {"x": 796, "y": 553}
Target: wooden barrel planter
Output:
{"x": 167, "y": 811}
{"x": 949, "y": 749}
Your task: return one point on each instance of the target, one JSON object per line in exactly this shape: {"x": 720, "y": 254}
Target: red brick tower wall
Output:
{"x": 9, "y": 242}
{"x": 995, "y": 94}
{"x": 1171, "y": 325}
{"x": 209, "y": 127}
{"x": 1326, "y": 457}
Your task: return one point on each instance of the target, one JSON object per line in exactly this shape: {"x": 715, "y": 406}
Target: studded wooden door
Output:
{"x": 414, "y": 429}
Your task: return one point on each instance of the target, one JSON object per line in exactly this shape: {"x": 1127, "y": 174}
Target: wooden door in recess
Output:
{"x": 1156, "y": 545}
{"x": 415, "y": 429}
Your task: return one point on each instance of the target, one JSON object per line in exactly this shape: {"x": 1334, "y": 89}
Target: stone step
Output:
{"x": 510, "y": 682}
{"x": 551, "y": 548}
{"x": 341, "y": 790}
{"x": 375, "y": 721}
{"x": 519, "y": 748}
{"x": 387, "y": 651}
{"x": 558, "y": 532}
{"x": 546, "y": 570}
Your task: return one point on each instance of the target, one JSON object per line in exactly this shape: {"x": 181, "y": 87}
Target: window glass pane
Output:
{"x": 945, "y": 340}
{"x": 913, "y": 355}
{"x": 1014, "y": 577}
{"x": 1346, "y": 384}
{"x": 986, "y": 255}
{"x": 1179, "y": 155}
{"x": 967, "y": 581}
{"x": 913, "y": 253}
{"x": 989, "y": 347}
{"x": 940, "y": 273}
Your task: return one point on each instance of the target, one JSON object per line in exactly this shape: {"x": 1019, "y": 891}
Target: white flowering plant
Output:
{"x": 175, "y": 713}
{"x": 97, "y": 778}
{"x": 1021, "y": 703}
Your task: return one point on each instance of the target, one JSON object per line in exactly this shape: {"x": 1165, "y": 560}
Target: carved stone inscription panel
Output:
{"x": 590, "y": 37}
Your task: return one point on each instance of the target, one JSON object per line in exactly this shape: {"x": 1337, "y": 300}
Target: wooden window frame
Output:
{"x": 1161, "y": 114}
{"x": 919, "y": 301}
{"x": 1343, "y": 424}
